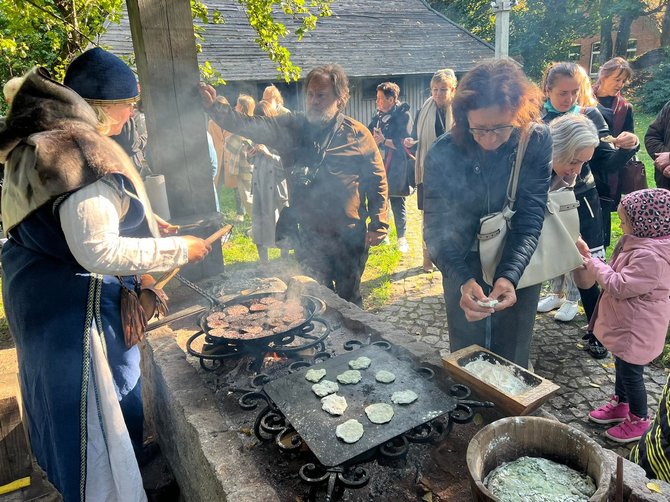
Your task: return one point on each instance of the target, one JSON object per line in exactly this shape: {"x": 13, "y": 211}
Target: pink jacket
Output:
{"x": 632, "y": 314}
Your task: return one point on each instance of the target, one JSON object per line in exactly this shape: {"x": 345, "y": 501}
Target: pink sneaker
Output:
{"x": 614, "y": 411}
{"x": 629, "y": 430}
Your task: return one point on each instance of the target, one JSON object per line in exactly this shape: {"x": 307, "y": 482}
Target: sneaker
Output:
{"x": 403, "y": 245}
{"x": 631, "y": 429}
{"x": 614, "y": 411}
{"x": 567, "y": 311}
{"x": 549, "y": 303}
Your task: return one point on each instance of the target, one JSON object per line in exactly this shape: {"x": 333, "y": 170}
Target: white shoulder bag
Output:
{"x": 556, "y": 253}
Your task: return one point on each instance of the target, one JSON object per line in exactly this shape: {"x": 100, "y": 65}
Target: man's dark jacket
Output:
{"x": 396, "y": 126}
{"x": 350, "y": 184}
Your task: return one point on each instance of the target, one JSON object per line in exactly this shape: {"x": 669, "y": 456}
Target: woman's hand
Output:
{"x": 626, "y": 140}
{"x": 258, "y": 148}
{"x": 164, "y": 227}
{"x": 583, "y": 247}
{"x": 197, "y": 248}
{"x": 471, "y": 292}
{"x": 208, "y": 95}
{"x": 409, "y": 142}
{"x": 504, "y": 292}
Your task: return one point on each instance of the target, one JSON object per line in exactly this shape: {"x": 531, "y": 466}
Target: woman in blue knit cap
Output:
{"x": 80, "y": 230}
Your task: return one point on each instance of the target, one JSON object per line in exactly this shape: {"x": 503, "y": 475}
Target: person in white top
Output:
{"x": 80, "y": 230}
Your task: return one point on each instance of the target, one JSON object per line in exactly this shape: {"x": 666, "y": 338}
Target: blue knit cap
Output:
{"x": 101, "y": 78}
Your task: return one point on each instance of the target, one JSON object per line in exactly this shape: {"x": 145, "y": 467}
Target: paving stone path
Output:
{"x": 557, "y": 352}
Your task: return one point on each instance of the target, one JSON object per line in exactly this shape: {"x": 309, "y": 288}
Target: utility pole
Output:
{"x": 501, "y": 9}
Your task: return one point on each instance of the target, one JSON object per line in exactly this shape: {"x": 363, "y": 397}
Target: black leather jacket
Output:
{"x": 460, "y": 187}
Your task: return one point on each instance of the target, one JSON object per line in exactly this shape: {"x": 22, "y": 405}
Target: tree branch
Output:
{"x": 65, "y": 22}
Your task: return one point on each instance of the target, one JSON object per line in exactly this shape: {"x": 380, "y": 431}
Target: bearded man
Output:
{"x": 336, "y": 178}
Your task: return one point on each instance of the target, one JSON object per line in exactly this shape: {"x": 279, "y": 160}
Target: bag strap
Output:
{"x": 508, "y": 211}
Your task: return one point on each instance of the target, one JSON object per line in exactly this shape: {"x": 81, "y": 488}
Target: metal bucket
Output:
{"x": 510, "y": 438}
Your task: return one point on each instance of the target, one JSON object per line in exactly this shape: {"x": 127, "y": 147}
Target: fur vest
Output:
{"x": 51, "y": 148}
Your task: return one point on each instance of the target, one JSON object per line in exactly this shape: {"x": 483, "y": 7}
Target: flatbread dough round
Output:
{"x": 379, "y": 413}
{"x": 349, "y": 377}
{"x": 384, "y": 376}
{"x": 404, "y": 397}
{"x": 360, "y": 363}
{"x": 334, "y": 404}
{"x": 324, "y": 388}
{"x": 349, "y": 431}
{"x": 315, "y": 375}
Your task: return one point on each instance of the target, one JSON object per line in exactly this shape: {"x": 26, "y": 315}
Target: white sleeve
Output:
{"x": 90, "y": 220}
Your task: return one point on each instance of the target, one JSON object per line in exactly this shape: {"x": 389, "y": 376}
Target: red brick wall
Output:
{"x": 644, "y": 30}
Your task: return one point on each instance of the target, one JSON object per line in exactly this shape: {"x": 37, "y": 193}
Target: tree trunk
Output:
{"x": 605, "y": 41}
{"x": 623, "y": 34}
{"x": 665, "y": 27}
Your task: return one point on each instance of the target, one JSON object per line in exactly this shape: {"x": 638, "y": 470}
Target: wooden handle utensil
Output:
{"x": 167, "y": 276}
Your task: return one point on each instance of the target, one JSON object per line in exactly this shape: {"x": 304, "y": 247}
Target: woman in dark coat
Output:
{"x": 466, "y": 176}
{"x": 618, "y": 113}
{"x": 563, "y": 85}
{"x": 390, "y": 127}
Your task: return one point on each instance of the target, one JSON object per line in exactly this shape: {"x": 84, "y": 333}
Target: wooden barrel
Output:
{"x": 510, "y": 438}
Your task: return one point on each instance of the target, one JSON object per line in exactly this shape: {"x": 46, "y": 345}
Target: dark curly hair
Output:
{"x": 501, "y": 83}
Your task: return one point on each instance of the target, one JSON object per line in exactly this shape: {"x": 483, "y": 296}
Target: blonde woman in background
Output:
{"x": 432, "y": 121}
{"x": 273, "y": 97}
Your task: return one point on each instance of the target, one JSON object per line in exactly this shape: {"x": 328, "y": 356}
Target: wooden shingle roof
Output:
{"x": 367, "y": 37}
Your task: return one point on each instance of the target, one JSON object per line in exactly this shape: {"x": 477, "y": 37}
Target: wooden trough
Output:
{"x": 522, "y": 404}
{"x": 510, "y": 438}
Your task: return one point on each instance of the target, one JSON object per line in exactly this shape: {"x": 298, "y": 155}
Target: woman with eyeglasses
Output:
{"x": 432, "y": 121}
{"x": 466, "y": 176}
{"x": 567, "y": 88}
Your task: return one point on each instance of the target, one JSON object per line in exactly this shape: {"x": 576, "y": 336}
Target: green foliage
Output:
{"x": 538, "y": 35}
{"x": 51, "y": 33}
{"x": 655, "y": 92}
{"x": 261, "y": 17}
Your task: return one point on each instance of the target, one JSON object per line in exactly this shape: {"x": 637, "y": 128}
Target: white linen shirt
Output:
{"x": 90, "y": 221}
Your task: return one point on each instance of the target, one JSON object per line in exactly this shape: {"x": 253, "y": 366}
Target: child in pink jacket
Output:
{"x": 633, "y": 311}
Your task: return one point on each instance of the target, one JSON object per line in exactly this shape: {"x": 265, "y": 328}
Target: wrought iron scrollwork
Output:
{"x": 352, "y": 477}
{"x": 269, "y": 423}
{"x": 463, "y": 412}
{"x": 288, "y": 440}
{"x": 430, "y": 432}
{"x": 395, "y": 448}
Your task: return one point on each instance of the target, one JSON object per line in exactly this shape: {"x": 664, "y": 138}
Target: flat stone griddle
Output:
{"x": 302, "y": 408}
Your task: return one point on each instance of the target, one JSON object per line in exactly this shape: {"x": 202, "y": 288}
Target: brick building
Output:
{"x": 644, "y": 36}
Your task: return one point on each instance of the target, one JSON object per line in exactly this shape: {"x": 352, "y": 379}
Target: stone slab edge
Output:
{"x": 201, "y": 445}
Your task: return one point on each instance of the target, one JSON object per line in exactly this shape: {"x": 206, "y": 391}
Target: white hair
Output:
{"x": 571, "y": 133}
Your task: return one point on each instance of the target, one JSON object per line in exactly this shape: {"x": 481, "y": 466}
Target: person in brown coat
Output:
{"x": 336, "y": 178}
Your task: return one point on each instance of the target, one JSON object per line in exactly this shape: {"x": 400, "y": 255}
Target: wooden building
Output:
{"x": 403, "y": 41}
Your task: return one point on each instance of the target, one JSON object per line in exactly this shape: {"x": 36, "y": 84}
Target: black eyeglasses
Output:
{"x": 500, "y": 131}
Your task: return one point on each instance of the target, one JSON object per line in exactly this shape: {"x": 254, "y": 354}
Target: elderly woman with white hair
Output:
{"x": 575, "y": 139}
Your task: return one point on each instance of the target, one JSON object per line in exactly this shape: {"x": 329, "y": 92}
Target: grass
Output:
{"x": 241, "y": 253}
